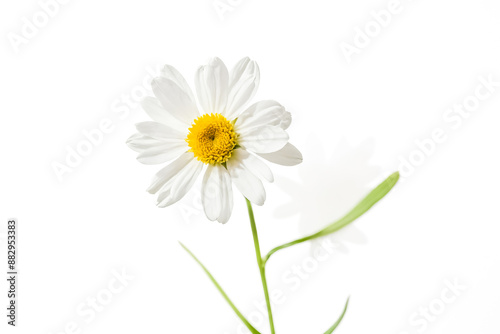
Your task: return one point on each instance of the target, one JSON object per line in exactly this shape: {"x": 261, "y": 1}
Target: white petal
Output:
{"x": 211, "y": 83}
{"x": 171, "y": 73}
{"x": 243, "y": 84}
{"x": 254, "y": 164}
{"x": 140, "y": 143}
{"x": 267, "y": 112}
{"x": 287, "y": 156}
{"x": 264, "y": 139}
{"x": 216, "y": 193}
{"x": 162, "y": 153}
{"x": 175, "y": 99}
{"x": 154, "y": 151}
{"x": 286, "y": 120}
{"x": 160, "y": 131}
{"x": 155, "y": 110}
{"x": 227, "y": 208}
{"x": 247, "y": 183}
{"x": 177, "y": 188}
{"x": 169, "y": 172}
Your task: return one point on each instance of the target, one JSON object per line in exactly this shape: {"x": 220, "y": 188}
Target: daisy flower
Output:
{"x": 214, "y": 134}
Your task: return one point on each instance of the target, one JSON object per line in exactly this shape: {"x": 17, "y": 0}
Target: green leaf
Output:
{"x": 238, "y": 313}
{"x": 331, "y": 329}
{"x": 373, "y": 197}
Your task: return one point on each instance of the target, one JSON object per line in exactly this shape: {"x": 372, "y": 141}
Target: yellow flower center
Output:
{"x": 212, "y": 138}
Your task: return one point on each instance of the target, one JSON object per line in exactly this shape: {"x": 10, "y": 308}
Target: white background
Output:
{"x": 353, "y": 121}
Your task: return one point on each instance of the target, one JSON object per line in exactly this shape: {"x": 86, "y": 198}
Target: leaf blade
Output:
{"x": 335, "y": 325}
{"x": 363, "y": 206}
{"x": 222, "y": 292}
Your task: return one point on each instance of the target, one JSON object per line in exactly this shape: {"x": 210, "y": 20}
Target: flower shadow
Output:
{"x": 329, "y": 185}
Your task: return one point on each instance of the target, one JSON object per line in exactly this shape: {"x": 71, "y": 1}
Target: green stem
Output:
{"x": 262, "y": 265}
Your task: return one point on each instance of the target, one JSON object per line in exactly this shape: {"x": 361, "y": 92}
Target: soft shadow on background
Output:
{"x": 328, "y": 186}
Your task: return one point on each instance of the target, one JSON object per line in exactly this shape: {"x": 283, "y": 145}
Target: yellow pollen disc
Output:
{"x": 212, "y": 138}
